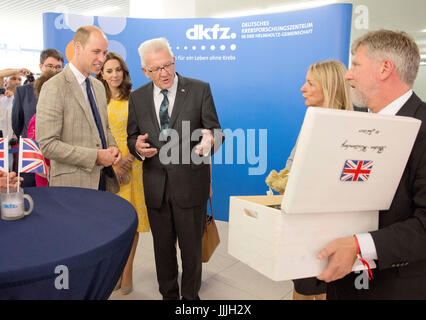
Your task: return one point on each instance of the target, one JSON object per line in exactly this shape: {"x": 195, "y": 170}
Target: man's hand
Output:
{"x": 143, "y": 148}
{"x": 342, "y": 255}
{"x": 116, "y": 153}
{"x": 107, "y": 157}
{"x": 207, "y": 142}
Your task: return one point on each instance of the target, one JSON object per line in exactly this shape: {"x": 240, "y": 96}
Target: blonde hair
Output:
{"x": 396, "y": 46}
{"x": 331, "y": 76}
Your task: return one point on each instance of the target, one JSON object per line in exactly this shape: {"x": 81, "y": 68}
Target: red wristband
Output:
{"x": 364, "y": 262}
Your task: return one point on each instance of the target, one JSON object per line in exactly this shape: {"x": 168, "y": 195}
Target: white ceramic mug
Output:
{"x": 12, "y": 204}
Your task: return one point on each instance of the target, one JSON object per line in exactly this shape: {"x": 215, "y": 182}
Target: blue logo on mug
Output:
{"x": 10, "y": 206}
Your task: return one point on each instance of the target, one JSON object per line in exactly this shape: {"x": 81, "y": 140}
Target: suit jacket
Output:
{"x": 401, "y": 239}
{"x": 67, "y": 132}
{"x": 189, "y": 181}
{"x": 24, "y": 107}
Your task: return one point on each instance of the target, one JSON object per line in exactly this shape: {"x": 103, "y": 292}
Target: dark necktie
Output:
{"x": 107, "y": 170}
{"x": 95, "y": 113}
{"x": 164, "y": 113}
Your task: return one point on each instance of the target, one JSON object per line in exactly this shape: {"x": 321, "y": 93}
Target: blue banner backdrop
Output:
{"x": 255, "y": 65}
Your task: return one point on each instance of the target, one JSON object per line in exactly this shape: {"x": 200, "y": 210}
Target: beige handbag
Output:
{"x": 211, "y": 236}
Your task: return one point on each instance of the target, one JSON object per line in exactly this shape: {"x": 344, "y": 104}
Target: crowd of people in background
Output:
{"x": 97, "y": 132}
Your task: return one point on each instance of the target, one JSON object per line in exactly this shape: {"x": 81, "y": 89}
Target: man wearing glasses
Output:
{"x": 163, "y": 113}
{"x": 25, "y": 102}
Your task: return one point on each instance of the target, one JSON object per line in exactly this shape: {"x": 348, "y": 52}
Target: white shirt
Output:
{"x": 81, "y": 79}
{"x": 366, "y": 242}
{"x": 171, "y": 96}
{"x": 6, "y": 116}
{"x": 158, "y": 99}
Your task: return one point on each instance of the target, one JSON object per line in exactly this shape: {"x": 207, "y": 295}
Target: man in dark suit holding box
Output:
{"x": 384, "y": 67}
{"x": 165, "y": 117}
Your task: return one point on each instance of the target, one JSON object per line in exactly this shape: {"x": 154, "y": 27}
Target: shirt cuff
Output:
{"x": 142, "y": 157}
{"x": 367, "y": 246}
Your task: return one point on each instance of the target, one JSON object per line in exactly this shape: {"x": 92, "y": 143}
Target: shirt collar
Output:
{"x": 172, "y": 90}
{"x": 80, "y": 77}
{"x": 393, "y": 107}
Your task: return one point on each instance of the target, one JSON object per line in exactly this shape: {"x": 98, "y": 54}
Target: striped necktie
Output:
{"x": 164, "y": 113}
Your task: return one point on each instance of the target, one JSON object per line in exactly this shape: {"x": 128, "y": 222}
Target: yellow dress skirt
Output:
{"x": 118, "y": 111}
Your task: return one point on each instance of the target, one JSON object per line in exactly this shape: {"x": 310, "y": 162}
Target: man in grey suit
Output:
{"x": 163, "y": 117}
{"x": 72, "y": 124}
{"x": 25, "y": 102}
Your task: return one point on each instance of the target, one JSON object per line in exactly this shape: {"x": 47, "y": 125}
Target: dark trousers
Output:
{"x": 170, "y": 224}
{"x": 102, "y": 181}
{"x": 29, "y": 180}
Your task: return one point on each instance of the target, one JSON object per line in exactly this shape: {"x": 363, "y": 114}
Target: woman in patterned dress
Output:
{"x": 116, "y": 79}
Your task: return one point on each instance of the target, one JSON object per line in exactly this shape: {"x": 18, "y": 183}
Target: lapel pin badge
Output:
{"x": 182, "y": 90}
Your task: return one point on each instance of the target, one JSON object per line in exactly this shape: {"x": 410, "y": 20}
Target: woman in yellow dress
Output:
{"x": 116, "y": 79}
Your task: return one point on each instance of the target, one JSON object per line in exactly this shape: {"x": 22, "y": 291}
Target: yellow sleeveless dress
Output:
{"x": 118, "y": 111}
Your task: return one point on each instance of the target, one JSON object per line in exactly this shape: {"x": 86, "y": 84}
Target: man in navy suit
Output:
{"x": 384, "y": 68}
{"x": 25, "y": 102}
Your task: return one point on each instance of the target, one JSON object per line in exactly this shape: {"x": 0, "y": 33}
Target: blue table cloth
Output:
{"x": 85, "y": 233}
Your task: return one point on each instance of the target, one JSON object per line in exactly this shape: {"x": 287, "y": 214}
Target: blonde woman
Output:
{"x": 325, "y": 87}
{"x": 116, "y": 79}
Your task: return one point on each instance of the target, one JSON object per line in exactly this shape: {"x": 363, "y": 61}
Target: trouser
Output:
{"x": 102, "y": 181}
{"x": 169, "y": 224}
{"x": 29, "y": 180}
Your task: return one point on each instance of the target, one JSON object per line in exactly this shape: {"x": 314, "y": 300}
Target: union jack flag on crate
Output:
{"x": 356, "y": 170}
{"x": 4, "y": 155}
{"x": 30, "y": 157}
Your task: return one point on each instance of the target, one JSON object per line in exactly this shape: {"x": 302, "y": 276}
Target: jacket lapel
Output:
{"x": 152, "y": 109}
{"x": 181, "y": 93}
{"x": 78, "y": 94}
{"x": 97, "y": 93}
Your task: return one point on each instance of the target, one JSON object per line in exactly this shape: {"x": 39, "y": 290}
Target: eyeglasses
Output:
{"x": 52, "y": 67}
{"x": 166, "y": 67}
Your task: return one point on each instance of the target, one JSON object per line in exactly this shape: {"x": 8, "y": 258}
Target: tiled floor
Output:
{"x": 224, "y": 277}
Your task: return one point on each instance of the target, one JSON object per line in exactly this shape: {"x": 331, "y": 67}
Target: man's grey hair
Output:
{"x": 397, "y": 46}
{"x": 152, "y": 46}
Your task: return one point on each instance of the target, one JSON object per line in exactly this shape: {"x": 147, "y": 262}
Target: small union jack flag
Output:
{"x": 4, "y": 155}
{"x": 356, "y": 170}
{"x": 30, "y": 157}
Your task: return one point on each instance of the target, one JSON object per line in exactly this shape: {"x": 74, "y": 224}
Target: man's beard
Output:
{"x": 358, "y": 98}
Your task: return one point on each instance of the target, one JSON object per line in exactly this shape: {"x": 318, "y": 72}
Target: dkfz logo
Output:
{"x": 199, "y": 32}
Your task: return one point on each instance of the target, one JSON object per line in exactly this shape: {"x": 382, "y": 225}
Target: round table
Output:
{"x": 74, "y": 245}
